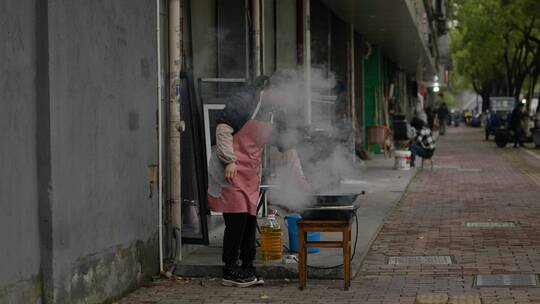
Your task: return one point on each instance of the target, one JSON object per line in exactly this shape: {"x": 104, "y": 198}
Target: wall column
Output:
{"x": 307, "y": 60}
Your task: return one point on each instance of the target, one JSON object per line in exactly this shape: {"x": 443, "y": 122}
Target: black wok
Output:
{"x": 335, "y": 199}
{"x": 331, "y": 207}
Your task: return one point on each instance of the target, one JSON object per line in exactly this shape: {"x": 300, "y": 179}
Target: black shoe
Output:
{"x": 251, "y": 271}
{"x": 234, "y": 276}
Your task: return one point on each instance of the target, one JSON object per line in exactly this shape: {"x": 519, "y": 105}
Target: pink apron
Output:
{"x": 242, "y": 195}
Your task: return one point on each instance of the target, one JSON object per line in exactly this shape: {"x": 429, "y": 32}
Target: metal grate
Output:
{"x": 506, "y": 280}
{"x": 469, "y": 170}
{"x": 420, "y": 260}
{"x": 491, "y": 224}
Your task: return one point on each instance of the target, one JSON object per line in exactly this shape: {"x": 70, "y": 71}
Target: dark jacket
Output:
{"x": 443, "y": 112}
{"x": 515, "y": 118}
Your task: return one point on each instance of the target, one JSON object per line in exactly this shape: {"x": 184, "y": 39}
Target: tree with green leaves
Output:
{"x": 496, "y": 46}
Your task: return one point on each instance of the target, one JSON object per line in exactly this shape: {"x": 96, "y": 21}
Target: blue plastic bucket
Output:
{"x": 291, "y": 220}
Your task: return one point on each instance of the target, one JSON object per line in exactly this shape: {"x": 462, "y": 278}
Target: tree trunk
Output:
{"x": 485, "y": 100}
{"x": 532, "y": 86}
{"x": 519, "y": 85}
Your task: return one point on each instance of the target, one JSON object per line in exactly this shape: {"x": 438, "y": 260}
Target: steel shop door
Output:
{"x": 192, "y": 153}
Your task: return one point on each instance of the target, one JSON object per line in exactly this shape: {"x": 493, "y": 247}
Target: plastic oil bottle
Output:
{"x": 271, "y": 238}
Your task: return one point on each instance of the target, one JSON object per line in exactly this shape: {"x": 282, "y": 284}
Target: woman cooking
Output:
{"x": 242, "y": 131}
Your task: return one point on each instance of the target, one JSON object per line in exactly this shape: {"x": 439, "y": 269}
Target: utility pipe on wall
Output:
{"x": 307, "y": 59}
{"x": 247, "y": 39}
{"x": 352, "y": 68}
{"x": 352, "y": 86}
{"x": 263, "y": 38}
{"x": 256, "y": 7}
{"x": 160, "y": 134}
{"x": 175, "y": 124}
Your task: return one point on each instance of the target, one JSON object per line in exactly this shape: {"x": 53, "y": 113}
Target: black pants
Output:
{"x": 518, "y": 134}
{"x": 442, "y": 126}
{"x": 239, "y": 238}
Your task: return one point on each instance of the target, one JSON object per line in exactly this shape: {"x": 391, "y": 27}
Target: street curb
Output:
{"x": 397, "y": 204}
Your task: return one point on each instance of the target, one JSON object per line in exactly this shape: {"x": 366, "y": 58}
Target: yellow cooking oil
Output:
{"x": 271, "y": 243}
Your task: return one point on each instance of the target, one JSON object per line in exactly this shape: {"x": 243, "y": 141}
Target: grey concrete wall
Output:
{"x": 78, "y": 133}
{"x": 103, "y": 137}
{"x": 19, "y": 234}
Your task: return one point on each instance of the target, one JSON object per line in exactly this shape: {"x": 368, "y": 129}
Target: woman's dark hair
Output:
{"x": 241, "y": 105}
{"x": 417, "y": 123}
{"x": 260, "y": 82}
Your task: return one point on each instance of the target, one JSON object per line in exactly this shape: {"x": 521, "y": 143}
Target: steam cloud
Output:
{"x": 325, "y": 148}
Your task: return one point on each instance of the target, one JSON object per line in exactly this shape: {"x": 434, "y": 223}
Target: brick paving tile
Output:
{"x": 429, "y": 220}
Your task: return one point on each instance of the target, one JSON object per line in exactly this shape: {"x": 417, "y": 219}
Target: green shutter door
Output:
{"x": 372, "y": 84}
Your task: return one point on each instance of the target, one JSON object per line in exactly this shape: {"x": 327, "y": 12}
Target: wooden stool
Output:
{"x": 305, "y": 226}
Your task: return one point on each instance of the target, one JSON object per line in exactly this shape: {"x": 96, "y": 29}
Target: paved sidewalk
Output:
{"x": 383, "y": 188}
{"x": 473, "y": 181}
